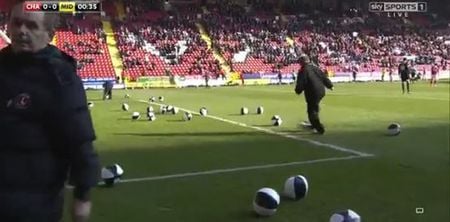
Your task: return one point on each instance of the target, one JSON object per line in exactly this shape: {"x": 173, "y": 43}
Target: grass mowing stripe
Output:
{"x": 268, "y": 131}
{"x": 343, "y": 93}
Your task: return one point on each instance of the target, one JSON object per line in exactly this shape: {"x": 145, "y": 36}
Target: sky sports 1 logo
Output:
{"x": 397, "y": 9}
{"x": 397, "y": 6}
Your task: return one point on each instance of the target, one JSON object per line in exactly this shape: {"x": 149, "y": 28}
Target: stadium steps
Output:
{"x": 224, "y": 66}
{"x": 120, "y": 8}
{"x": 54, "y": 41}
{"x": 205, "y": 37}
{"x": 283, "y": 18}
{"x": 112, "y": 48}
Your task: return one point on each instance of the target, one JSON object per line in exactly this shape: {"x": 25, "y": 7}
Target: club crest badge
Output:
{"x": 21, "y": 102}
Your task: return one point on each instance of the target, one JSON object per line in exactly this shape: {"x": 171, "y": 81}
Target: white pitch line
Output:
{"x": 232, "y": 170}
{"x": 239, "y": 169}
{"x": 268, "y": 131}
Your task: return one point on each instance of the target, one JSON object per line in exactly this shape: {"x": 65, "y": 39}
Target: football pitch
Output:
{"x": 208, "y": 169}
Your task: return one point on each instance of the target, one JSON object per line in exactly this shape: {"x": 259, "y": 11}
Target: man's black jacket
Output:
{"x": 312, "y": 81}
{"x": 403, "y": 69}
{"x": 46, "y": 131}
{"x": 108, "y": 85}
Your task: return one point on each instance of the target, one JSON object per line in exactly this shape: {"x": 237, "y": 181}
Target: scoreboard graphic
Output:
{"x": 63, "y": 6}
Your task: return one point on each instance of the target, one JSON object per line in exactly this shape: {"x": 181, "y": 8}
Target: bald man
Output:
{"x": 46, "y": 131}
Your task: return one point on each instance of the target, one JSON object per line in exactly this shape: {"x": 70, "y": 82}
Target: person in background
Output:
{"x": 434, "y": 73}
{"x": 354, "y": 72}
{"x": 404, "y": 73}
{"x": 206, "y": 75}
{"x": 391, "y": 72}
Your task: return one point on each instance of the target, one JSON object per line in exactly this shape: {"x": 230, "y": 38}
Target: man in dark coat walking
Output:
{"x": 404, "y": 72}
{"x": 107, "y": 89}
{"x": 312, "y": 81}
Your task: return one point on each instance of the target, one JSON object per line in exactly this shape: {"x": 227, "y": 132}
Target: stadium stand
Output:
{"x": 251, "y": 43}
{"x": 83, "y": 38}
{"x": 154, "y": 43}
{"x": 262, "y": 39}
{"x": 255, "y": 43}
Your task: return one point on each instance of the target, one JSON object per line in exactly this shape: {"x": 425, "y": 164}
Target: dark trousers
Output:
{"x": 405, "y": 80}
{"x": 313, "y": 116}
{"x": 107, "y": 93}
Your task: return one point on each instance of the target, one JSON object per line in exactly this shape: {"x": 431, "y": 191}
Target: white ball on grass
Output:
{"x": 187, "y": 116}
{"x": 118, "y": 169}
{"x": 393, "y": 129}
{"x": 111, "y": 174}
{"x": 163, "y": 109}
{"x": 345, "y": 216}
{"x": 260, "y": 110}
{"x": 135, "y": 116}
{"x": 125, "y": 107}
{"x": 151, "y": 116}
{"x": 296, "y": 187}
{"x": 266, "y": 202}
{"x": 276, "y": 120}
{"x": 203, "y": 111}
{"x": 244, "y": 111}
{"x": 175, "y": 110}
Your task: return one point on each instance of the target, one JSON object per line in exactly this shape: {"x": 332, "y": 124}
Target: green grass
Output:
{"x": 408, "y": 171}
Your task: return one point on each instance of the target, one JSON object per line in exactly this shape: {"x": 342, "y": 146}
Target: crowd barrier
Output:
{"x": 97, "y": 83}
{"x": 377, "y": 76}
{"x": 196, "y": 81}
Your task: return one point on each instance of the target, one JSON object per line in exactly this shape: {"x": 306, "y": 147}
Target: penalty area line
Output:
{"x": 268, "y": 131}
